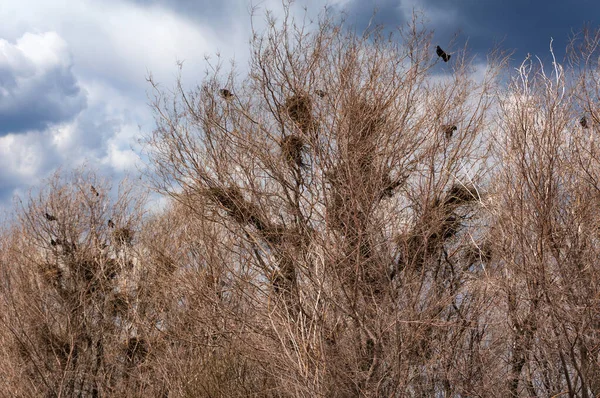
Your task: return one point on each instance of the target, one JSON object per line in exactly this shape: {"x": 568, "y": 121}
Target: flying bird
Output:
{"x": 93, "y": 189}
{"x": 449, "y": 130}
{"x": 583, "y": 122}
{"x": 50, "y": 217}
{"x": 442, "y": 54}
{"x": 226, "y": 94}
{"x": 111, "y": 224}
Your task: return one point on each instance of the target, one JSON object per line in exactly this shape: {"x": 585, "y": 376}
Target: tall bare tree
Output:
{"x": 338, "y": 203}
{"x": 354, "y": 217}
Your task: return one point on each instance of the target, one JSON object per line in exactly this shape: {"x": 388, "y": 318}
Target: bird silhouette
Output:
{"x": 449, "y": 130}
{"x": 583, "y": 122}
{"x": 442, "y": 54}
{"x": 50, "y": 217}
{"x": 225, "y": 94}
{"x": 93, "y": 189}
{"x": 111, "y": 224}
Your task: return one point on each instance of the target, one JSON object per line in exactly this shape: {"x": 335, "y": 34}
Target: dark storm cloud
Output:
{"x": 37, "y": 86}
{"x": 522, "y": 26}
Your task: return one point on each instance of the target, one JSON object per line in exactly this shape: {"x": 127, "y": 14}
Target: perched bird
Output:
{"x": 442, "y": 54}
{"x": 93, "y": 189}
{"x": 321, "y": 93}
{"x": 389, "y": 186}
{"x": 53, "y": 242}
{"x": 225, "y": 94}
{"x": 583, "y": 122}
{"x": 111, "y": 224}
{"x": 449, "y": 130}
{"x": 49, "y": 217}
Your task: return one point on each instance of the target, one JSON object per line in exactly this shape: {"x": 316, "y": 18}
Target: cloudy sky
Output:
{"x": 73, "y": 72}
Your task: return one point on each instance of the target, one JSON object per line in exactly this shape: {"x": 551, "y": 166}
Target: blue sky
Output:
{"x": 73, "y": 73}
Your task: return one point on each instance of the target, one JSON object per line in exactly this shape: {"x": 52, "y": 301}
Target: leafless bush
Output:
{"x": 347, "y": 224}
{"x": 326, "y": 303}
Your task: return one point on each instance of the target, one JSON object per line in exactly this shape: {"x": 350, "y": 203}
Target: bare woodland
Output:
{"x": 352, "y": 218}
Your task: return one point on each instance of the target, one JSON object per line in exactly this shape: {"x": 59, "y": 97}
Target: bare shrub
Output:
{"x": 320, "y": 297}
{"x": 347, "y": 224}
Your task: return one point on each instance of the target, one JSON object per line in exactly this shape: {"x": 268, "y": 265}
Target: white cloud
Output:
{"x": 121, "y": 42}
{"x": 101, "y": 50}
{"x": 21, "y": 158}
{"x": 121, "y": 156}
{"x": 37, "y": 86}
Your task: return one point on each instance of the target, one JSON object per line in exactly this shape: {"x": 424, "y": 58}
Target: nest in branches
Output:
{"x": 299, "y": 108}
{"x": 284, "y": 279}
{"x": 119, "y": 304}
{"x": 122, "y": 236}
{"x": 425, "y": 238}
{"x": 445, "y": 229}
{"x": 51, "y": 274}
{"x": 136, "y": 350}
{"x": 56, "y": 345}
{"x": 245, "y": 212}
{"x": 448, "y": 130}
{"x": 460, "y": 194}
{"x": 291, "y": 149}
{"x": 164, "y": 262}
{"x": 232, "y": 200}
{"x": 229, "y": 198}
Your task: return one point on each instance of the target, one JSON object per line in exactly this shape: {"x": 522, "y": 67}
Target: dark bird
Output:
{"x": 49, "y": 217}
{"x": 449, "y": 130}
{"x": 442, "y": 54}
{"x": 225, "y": 94}
{"x": 583, "y": 122}
{"x": 389, "y": 186}
{"x": 321, "y": 93}
{"x": 111, "y": 224}
{"x": 53, "y": 242}
{"x": 93, "y": 189}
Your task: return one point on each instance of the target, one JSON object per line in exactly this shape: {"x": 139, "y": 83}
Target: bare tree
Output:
{"x": 342, "y": 222}
{"x": 339, "y": 220}
{"x": 76, "y": 321}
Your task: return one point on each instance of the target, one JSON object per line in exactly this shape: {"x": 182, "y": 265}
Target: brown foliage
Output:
{"x": 336, "y": 244}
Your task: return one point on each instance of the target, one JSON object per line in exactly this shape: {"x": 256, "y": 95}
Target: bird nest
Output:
{"x": 122, "y": 236}
{"x": 291, "y": 149}
{"x": 460, "y": 194}
{"x": 299, "y": 108}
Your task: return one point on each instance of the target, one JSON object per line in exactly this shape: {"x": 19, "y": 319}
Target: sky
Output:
{"x": 73, "y": 87}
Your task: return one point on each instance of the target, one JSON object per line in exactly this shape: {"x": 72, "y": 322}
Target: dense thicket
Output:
{"x": 352, "y": 218}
